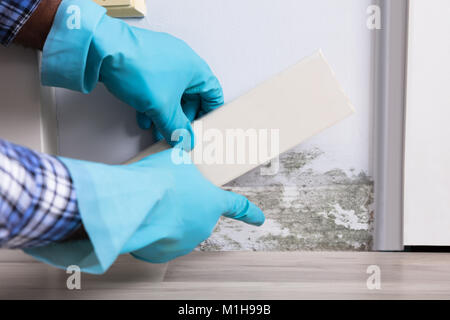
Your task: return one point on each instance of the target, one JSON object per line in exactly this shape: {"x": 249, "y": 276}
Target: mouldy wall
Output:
{"x": 305, "y": 209}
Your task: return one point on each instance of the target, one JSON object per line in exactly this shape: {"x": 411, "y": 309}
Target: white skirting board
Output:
{"x": 297, "y": 103}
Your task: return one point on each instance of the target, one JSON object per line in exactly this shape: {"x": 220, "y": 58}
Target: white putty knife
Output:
{"x": 300, "y": 102}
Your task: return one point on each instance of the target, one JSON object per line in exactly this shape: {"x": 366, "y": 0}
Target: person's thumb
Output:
{"x": 240, "y": 208}
{"x": 175, "y": 128}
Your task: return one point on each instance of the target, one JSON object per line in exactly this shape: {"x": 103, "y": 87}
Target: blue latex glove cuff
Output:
{"x": 113, "y": 202}
{"x": 65, "y": 54}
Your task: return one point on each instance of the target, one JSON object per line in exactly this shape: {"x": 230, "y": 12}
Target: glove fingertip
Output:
{"x": 212, "y": 99}
{"x": 144, "y": 122}
{"x": 157, "y": 135}
{"x": 183, "y": 137}
{"x": 254, "y": 215}
{"x": 244, "y": 210}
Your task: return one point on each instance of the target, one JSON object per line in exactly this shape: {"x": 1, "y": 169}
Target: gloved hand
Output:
{"x": 155, "y": 209}
{"x": 157, "y": 74}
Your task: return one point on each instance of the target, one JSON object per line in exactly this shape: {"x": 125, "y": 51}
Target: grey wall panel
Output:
{"x": 20, "y": 100}
{"x": 391, "y": 55}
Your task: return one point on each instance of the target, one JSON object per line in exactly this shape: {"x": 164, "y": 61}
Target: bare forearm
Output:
{"x": 34, "y": 32}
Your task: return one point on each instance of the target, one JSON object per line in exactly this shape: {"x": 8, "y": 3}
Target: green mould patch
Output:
{"x": 305, "y": 209}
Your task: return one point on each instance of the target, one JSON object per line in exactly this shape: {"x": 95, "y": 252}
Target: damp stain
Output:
{"x": 305, "y": 209}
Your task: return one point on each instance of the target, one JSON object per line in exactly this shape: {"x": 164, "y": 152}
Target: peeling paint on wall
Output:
{"x": 305, "y": 209}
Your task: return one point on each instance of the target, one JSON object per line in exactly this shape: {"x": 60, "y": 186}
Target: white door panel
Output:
{"x": 427, "y": 147}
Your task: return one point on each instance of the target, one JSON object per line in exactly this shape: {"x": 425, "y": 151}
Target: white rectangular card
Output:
{"x": 297, "y": 103}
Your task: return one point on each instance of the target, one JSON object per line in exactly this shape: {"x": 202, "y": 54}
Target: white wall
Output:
{"x": 427, "y": 156}
{"x": 245, "y": 42}
{"x": 19, "y": 97}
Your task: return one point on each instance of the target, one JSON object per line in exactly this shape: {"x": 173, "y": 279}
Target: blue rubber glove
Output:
{"x": 157, "y": 74}
{"x": 154, "y": 209}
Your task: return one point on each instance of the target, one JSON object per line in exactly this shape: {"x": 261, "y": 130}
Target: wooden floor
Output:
{"x": 239, "y": 275}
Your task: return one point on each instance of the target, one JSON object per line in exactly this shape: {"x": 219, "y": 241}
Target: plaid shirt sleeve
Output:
{"x": 13, "y": 15}
{"x": 37, "y": 199}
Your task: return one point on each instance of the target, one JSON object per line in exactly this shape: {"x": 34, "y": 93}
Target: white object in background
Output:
{"x": 27, "y": 110}
{"x": 124, "y": 8}
{"x": 48, "y": 116}
{"x": 299, "y": 102}
{"x": 427, "y": 151}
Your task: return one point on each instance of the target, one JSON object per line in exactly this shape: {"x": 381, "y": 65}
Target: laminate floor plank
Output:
{"x": 242, "y": 275}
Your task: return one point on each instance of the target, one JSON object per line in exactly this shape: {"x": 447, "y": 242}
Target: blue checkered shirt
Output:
{"x": 13, "y": 15}
{"x": 37, "y": 199}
